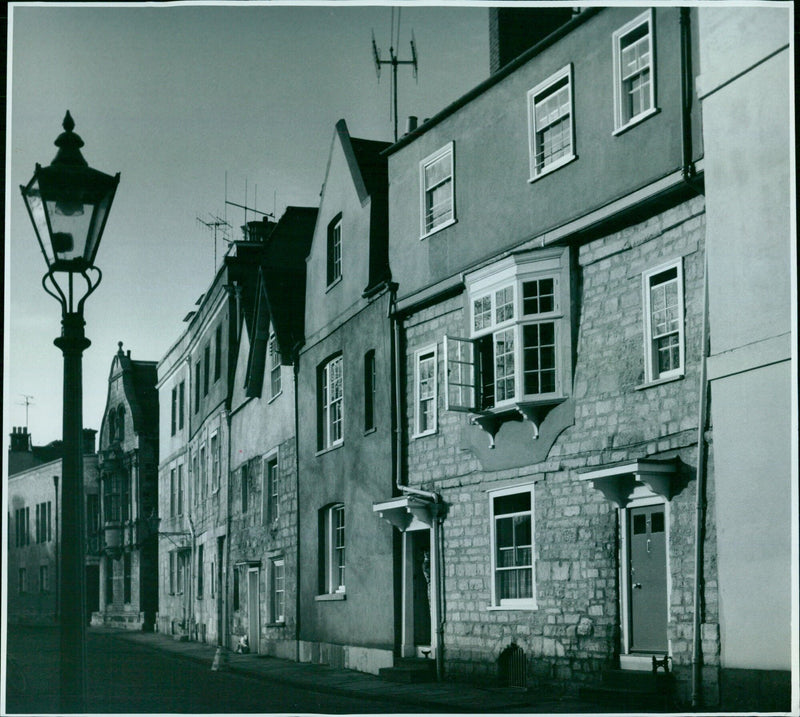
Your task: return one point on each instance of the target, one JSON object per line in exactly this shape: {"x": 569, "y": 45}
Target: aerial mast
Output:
{"x": 394, "y": 61}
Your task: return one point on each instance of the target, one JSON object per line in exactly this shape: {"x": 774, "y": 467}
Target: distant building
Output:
{"x": 128, "y": 464}
{"x": 34, "y": 525}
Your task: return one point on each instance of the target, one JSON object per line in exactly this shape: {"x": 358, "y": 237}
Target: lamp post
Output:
{"x": 68, "y": 203}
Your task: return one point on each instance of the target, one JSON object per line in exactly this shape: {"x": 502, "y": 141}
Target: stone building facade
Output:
{"x": 195, "y": 384}
{"x": 34, "y": 528}
{"x": 128, "y": 465}
{"x": 562, "y": 319}
{"x": 263, "y": 479}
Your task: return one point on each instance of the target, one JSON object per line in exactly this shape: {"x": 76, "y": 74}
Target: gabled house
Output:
{"x": 263, "y": 463}
{"x": 128, "y": 466}
{"x": 548, "y": 237}
{"x": 344, "y": 419}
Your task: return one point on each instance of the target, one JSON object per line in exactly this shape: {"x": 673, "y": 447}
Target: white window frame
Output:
{"x": 492, "y": 285}
{"x": 278, "y": 590}
{"x": 652, "y": 374}
{"x": 528, "y": 603}
{"x": 428, "y": 353}
{"x": 439, "y": 154}
{"x": 621, "y": 121}
{"x": 215, "y": 449}
{"x": 335, "y": 549}
{"x": 203, "y": 471}
{"x": 270, "y": 499}
{"x": 536, "y": 95}
{"x": 275, "y": 384}
{"x": 332, "y": 409}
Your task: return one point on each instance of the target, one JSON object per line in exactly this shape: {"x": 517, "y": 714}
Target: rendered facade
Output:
{"x": 34, "y": 525}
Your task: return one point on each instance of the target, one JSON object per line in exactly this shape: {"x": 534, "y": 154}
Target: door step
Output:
{"x": 410, "y": 670}
{"x": 633, "y": 690}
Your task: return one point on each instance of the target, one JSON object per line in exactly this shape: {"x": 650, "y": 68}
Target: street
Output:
{"x": 125, "y": 677}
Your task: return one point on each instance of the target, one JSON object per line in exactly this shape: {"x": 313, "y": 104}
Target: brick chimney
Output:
{"x": 88, "y": 440}
{"x": 20, "y": 440}
{"x": 514, "y": 30}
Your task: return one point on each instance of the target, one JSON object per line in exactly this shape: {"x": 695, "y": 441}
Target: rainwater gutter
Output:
{"x": 436, "y": 538}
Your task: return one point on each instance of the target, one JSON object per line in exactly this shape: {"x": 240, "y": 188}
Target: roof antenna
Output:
{"x": 27, "y": 402}
{"x": 394, "y": 61}
{"x": 215, "y": 223}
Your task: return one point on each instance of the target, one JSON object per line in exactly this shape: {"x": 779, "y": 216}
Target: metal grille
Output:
{"x": 513, "y": 666}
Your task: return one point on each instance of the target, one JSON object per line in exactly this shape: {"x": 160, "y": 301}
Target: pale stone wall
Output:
{"x": 574, "y": 632}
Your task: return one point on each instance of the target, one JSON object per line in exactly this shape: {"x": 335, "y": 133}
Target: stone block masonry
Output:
{"x": 575, "y": 629}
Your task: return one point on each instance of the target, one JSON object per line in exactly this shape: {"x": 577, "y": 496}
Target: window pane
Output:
{"x": 515, "y": 503}
{"x": 539, "y": 367}
{"x": 552, "y": 119}
{"x": 504, "y": 304}
{"x": 504, "y": 364}
{"x": 482, "y": 312}
{"x": 538, "y": 297}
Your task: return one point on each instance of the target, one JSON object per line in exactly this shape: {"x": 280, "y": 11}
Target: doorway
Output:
{"x": 647, "y": 579}
{"x": 421, "y": 588}
{"x": 253, "y": 611}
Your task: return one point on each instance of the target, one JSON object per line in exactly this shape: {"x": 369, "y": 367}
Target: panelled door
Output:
{"x": 647, "y": 550}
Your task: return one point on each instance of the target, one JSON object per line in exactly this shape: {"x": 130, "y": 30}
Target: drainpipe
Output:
{"x": 700, "y": 503}
{"x": 225, "y": 629}
{"x": 296, "y": 373}
{"x": 688, "y": 171}
{"x": 405, "y": 489}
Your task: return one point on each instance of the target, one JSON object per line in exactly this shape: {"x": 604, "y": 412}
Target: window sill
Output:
{"x": 636, "y": 120}
{"x": 277, "y": 395}
{"x": 658, "y": 382}
{"x": 322, "y": 451}
{"x": 277, "y": 623}
{"x": 328, "y": 597}
{"x": 330, "y": 286}
{"x": 432, "y": 432}
{"x": 552, "y": 168}
{"x": 370, "y": 430}
{"x": 527, "y": 606}
{"x": 438, "y": 228}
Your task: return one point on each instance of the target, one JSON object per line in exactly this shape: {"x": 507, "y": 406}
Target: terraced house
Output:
{"x": 263, "y": 450}
{"x": 195, "y": 384}
{"x": 560, "y": 273}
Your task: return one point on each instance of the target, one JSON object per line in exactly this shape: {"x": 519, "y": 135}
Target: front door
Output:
{"x": 252, "y": 609}
{"x": 647, "y": 578}
{"x": 421, "y": 579}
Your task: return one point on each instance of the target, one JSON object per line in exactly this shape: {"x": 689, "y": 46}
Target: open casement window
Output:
{"x": 436, "y": 184}
{"x": 518, "y": 355}
{"x": 634, "y": 86}
{"x": 270, "y": 491}
{"x": 550, "y": 123}
{"x": 511, "y": 513}
{"x": 663, "y": 303}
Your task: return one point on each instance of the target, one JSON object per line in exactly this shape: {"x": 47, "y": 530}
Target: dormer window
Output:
{"x": 518, "y": 354}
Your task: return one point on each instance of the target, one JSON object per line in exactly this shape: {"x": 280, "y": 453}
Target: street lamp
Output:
{"x": 68, "y": 203}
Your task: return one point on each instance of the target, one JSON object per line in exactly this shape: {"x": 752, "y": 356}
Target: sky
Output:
{"x": 191, "y": 104}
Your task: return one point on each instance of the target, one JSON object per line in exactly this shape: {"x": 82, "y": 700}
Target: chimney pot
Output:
{"x": 411, "y": 124}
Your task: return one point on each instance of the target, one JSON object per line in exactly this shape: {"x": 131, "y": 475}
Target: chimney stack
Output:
{"x": 88, "y": 440}
{"x": 20, "y": 439}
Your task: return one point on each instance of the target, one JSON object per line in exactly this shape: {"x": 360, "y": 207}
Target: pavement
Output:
{"x": 438, "y": 696}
